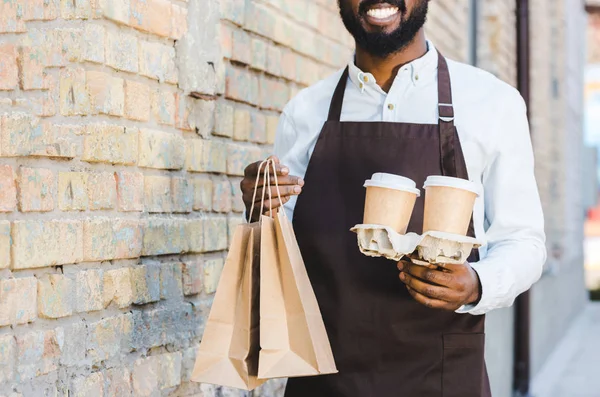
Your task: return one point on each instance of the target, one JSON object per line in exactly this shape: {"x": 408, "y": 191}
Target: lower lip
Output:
{"x": 382, "y": 21}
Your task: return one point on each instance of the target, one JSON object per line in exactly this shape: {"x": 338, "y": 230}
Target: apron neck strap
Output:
{"x": 335, "y": 109}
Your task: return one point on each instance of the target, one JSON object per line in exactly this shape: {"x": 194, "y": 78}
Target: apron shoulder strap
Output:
{"x": 446, "y": 119}
{"x": 335, "y": 109}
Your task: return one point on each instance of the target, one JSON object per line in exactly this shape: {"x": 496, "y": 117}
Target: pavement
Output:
{"x": 573, "y": 369}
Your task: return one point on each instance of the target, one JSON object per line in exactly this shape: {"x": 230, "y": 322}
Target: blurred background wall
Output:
{"x": 125, "y": 126}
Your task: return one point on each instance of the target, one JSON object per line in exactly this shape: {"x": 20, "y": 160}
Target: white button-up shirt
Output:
{"x": 491, "y": 119}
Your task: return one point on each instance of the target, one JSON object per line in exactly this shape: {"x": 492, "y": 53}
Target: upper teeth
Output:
{"x": 382, "y": 13}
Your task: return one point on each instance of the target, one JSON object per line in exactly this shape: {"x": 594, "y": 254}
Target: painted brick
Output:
{"x": 106, "y": 93}
{"x": 163, "y": 107}
{"x": 5, "y": 242}
{"x": 188, "y": 362}
{"x": 72, "y": 191}
{"x": 179, "y": 22}
{"x": 274, "y": 60}
{"x": 40, "y": 10}
{"x": 259, "y": 54}
{"x": 102, "y": 190}
{"x": 234, "y": 11}
{"x": 272, "y": 123}
{"x": 232, "y": 223}
{"x": 289, "y": 65}
{"x": 224, "y": 119}
{"x": 55, "y": 296}
{"x": 121, "y": 51}
{"x": 215, "y": 233}
{"x": 206, "y": 156}
{"x": 8, "y": 353}
{"x": 72, "y": 339}
{"x": 274, "y": 94}
{"x": 171, "y": 281}
{"x": 195, "y": 231}
{"x": 221, "y": 196}
{"x": 237, "y": 202}
{"x": 238, "y": 158}
{"x": 241, "y": 124}
{"x": 10, "y": 20}
{"x": 242, "y": 50}
{"x": 203, "y": 188}
{"x": 226, "y": 40}
{"x": 157, "y": 193}
{"x": 88, "y": 386}
{"x": 80, "y": 9}
{"x": 8, "y": 189}
{"x": 38, "y": 353}
{"x": 105, "y": 239}
{"x": 130, "y": 191}
{"x": 152, "y": 16}
{"x": 128, "y": 235}
{"x": 241, "y": 85}
{"x": 106, "y": 143}
{"x": 192, "y": 277}
{"x": 37, "y": 187}
{"x": 202, "y": 118}
{"x": 118, "y": 382}
{"x": 9, "y": 76}
{"x": 74, "y": 99}
{"x": 160, "y": 150}
{"x": 89, "y": 290}
{"x": 46, "y": 243}
{"x": 183, "y": 111}
{"x": 182, "y": 195}
{"x": 145, "y": 375}
{"x": 22, "y": 135}
{"x": 116, "y": 10}
{"x": 118, "y": 288}
{"x": 258, "y": 127}
{"x": 64, "y": 46}
{"x": 157, "y": 61}
{"x": 107, "y": 337}
{"x": 212, "y": 273}
{"x": 164, "y": 236}
{"x": 145, "y": 284}
{"x": 137, "y": 105}
{"x": 169, "y": 366}
{"x": 18, "y": 303}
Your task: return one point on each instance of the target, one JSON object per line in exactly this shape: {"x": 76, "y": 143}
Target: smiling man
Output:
{"x": 401, "y": 107}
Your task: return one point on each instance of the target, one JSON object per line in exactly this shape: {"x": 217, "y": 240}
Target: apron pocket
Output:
{"x": 463, "y": 365}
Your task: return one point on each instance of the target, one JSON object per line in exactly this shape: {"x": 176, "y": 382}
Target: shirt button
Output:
{"x": 416, "y": 77}
{"x": 366, "y": 79}
{"x": 391, "y": 106}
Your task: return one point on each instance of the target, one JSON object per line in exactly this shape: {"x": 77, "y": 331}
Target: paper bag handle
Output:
{"x": 272, "y": 163}
{"x": 256, "y": 189}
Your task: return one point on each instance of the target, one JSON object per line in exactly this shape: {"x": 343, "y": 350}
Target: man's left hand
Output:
{"x": 447, "y": 287}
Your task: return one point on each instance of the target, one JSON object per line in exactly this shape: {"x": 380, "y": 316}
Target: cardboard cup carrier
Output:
{"x": 390, "y": 201}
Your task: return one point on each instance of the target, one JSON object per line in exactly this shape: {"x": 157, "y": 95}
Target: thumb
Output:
{"x": 274, "y": 158}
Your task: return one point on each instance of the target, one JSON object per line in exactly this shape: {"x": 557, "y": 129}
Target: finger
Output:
{"x": 284, "y": 191}
{"x": 431, "y": 276}
{"x": 453, "y": 267}
{"x": 252, "y": 169}
{"x": 428, "y": 290}
{"x": 248, "y": 184}
{"x": 268, "y": 205}
{"x": 429, "y": 302}
{"x": 404, "y": 262}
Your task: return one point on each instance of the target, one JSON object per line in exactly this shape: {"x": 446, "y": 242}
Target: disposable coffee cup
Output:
{"x": 390, "y": 201}
{"x": 449, "y": 204}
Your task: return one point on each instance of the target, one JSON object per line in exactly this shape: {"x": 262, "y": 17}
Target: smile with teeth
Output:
{"x": 382, "y": 13}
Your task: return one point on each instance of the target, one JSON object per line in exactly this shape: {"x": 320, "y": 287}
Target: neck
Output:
{"x": 385, "y": 69}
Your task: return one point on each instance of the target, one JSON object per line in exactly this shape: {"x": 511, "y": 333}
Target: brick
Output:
{"x": 106, "y": 239}
{"x": 160, "y": 150}
{"x": 128, "y": 235}
{"x": 203, "y": 118}
{"x": 118, "y": 288}
{"x": 215, "y": 234}
{"x": 145, "y": 284}
{"x": 72, "y": 340}
{"x": 79, "y": 9}
{"x": 183, "y": 111}
{"x": 152, "y": 16}
{"x": 157, "y": 61}
{"x": 272, "y": 123}
{"x": 195, "y": 231}
{"x": 137, "y": 105}
{"x": 241, "y": 124}
{"x": 94, "y": 43}
{"x": 107, "y": 95}
{"x": 226, "y": 40}
{"x": 259, "y": 54}
{"x": 202, "y": 194}
{"x": 164, "y": 236}
{"x": 288, "y": 65}
{"x": 238, "y": 158}
{"x": 18, "y": 301}
{"x": 8, "y": 189}
{"x": 10, "y": 21}
{"x": 178, "y": 22}
{"x": 241, "y": 85}
{"x": 43, "y": 104}
{"x": 237, "y": 202}
{"x": 171, "y": 281}
{"x": 46, "y": 243}
{"x": 232, "y": 223}
{"x": 192, "y": 277}
{"x": 145, "y": 375}
{"x": 106, "y": 143}
{"x": 157, "y": 193}
{"x": 274, "y": 59}
{"x": 72, "y": 191}
{"x": 88, "y": 386}
{"x": 130, "y": 191}
{"x": 206, "y": 156}
{"x": 89, "y": 291}
{"x": 33, "y": 58}
{"x": 224, "y": 119}
{"x": 221, "y": 196}
{"x": 169, "y": 366}
{"x": 258, "y": 128}
{"x": 121, "y": 51}
{"x": 40, "y": 10}
{"x": 212, "y": 273}
{"x": 38, "y": 353}
{"x": 163, "y": 107}
{"x": 9, "y": 76}
{"x": 37, "y": 187}
{"x": 64, "y": 46}
{"x": 8, "y": 353}
{"x": 74, "y": 99}
{"x": 102, "y": 190}
{"x": 107, "y": 337}
{"x": 22, "y": 135}
{"x": 242, "y": 50}
{"x": 5, "y": 242}
{"x": 188, "y": 362}
{"x": 274, "y": 94}
{"x": 55, "y": 296}
{"x": 118, "y": 382}
{"x": 182, "y": 195}
{"x": 116, "y": 10}
{"x": 234, "y": 11}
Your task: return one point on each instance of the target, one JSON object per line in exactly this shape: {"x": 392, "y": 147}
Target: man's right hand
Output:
{"x": 288, "y": 186}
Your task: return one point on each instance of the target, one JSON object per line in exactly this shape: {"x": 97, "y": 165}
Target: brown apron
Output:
{"x": 385, "y": 344}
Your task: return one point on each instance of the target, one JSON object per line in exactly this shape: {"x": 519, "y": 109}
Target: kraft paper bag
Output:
{"x": 293, "y": 338}
{"x": 228, "y": 352}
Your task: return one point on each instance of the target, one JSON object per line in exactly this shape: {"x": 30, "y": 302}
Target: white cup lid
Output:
{"x": 391, "y": 181}
{"x": 457, "y": 183}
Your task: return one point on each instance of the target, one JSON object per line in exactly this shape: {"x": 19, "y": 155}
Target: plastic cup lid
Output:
{"x": 457, "y": 183}
{"x": 391, "y": 181}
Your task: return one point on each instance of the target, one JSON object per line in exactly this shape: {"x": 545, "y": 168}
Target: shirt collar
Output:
{"x": 418, "y": 70}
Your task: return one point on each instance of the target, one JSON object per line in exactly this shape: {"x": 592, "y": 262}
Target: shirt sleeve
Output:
{"x": 513, "y": 216}
{"x": 285, "y": 149}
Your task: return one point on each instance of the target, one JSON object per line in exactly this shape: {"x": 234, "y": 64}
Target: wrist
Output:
{"x": 475, "y": 297}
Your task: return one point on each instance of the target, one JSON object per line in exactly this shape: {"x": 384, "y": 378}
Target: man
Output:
{"x": 400, "y": 107}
